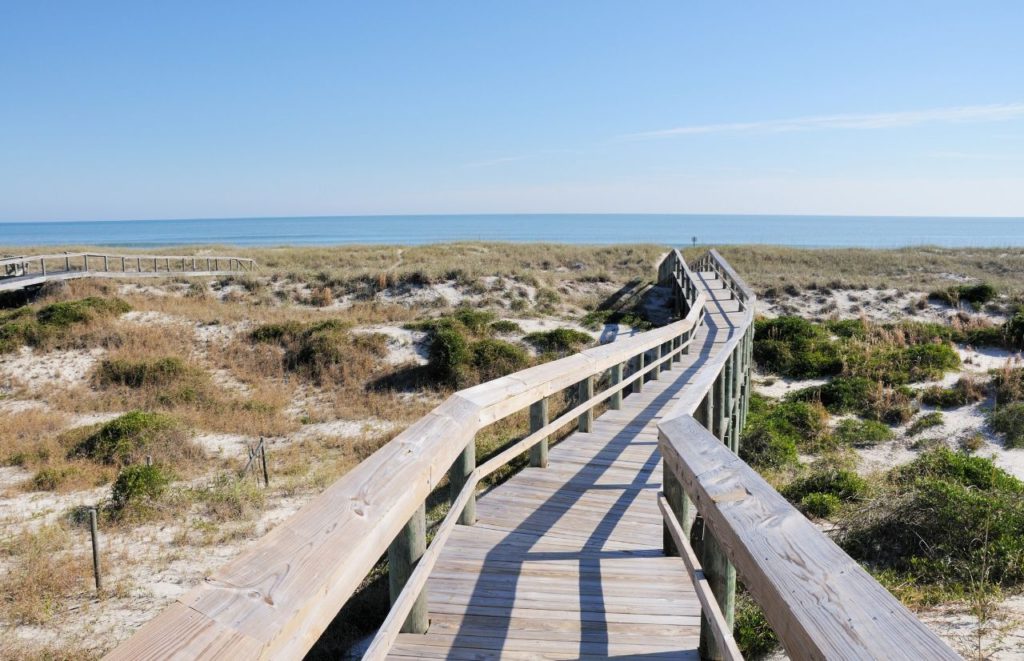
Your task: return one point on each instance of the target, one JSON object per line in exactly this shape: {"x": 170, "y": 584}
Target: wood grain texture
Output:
{"x": 819, "y": 601}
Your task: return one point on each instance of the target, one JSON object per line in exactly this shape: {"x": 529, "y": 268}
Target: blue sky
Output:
{"x": 209, "y": 109}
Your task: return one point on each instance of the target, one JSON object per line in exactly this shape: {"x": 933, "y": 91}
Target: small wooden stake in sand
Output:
{"x": 95, "y": 548}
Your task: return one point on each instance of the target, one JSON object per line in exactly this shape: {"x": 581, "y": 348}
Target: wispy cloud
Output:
{"x": 886, "y": 120}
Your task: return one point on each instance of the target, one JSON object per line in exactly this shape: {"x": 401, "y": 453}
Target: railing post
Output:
{"x": 106, "y": 263}
{"x": 457, "y": 476}
{"x": 723, "y": 407}
{"x": 638, "y": 385}
{"x": 586, "y": 391}
{"x": 615, "y": 401}
{"x": 680, "y": 505}
{"x": 721, "y": 576}
{"x": 403, "y": 554}
{"x": 538, "y": 419}
{"x": 666, "y": 350}
{"x": 719, "y": 572}
{"x": 656, "y": 370}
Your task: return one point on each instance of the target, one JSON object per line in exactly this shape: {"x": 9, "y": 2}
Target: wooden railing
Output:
{"x": 29, "y": 270}
{"x": 276, "y": 598}
{"x": 819, "y": 601}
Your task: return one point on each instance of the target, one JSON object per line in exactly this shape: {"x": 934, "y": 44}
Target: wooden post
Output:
{"x": 403, "y": 554}
{"x": 457, "y": 476}
{"x": 656, "y": 370}
{"x": 615, "y": 402}
{"x": 95, "y": 548}
{"x": 106, "y": 263}
{"x": 638, "y": 385}
{"x": 538, "y": 419}
{"x": 687, "y": 337}
{"x": 680, "y": 505}
{"x": 138, "y": 266}
{"x": 263, "y": 460}
{"x": 42, "y": 266}
{"x": 721, "y": 576}
{"x": 67, "y": 263}
{"x": 586, "y": 391}
{"x": 666, "y": 350}
{"x": 723, "y": 407}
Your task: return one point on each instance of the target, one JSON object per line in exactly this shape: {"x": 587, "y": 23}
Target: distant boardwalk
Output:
{"x": 25, "y": 271}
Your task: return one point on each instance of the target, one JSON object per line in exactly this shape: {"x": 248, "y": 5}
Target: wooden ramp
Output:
{"x": 566, "y": 562}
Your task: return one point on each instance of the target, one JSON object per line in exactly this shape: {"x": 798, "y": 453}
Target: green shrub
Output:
{"x": 965, "y": 391}
{"x": 843, "y": 485}
{"x": 754, "y": 636}
{"x": 896, "y": 365}
{"x": 53, "y": 323}
{"x": 127, "y": 439}
{"x": 51, "y": 478}
{"x": 843, "y": 394}
{"x": 1013, "y": 331}
{"x": 449, "y": 356}
{"x": 325, "y": 349}
{"x": 942, "y": 517}
{"x": 795, "y": 347}
{"x": 977, "y": 294}
{"x": 477, "y": 321}
{"x": 861, "y": 433}
{"x": 140, "y": 373}
{"x": 849, "y": 328}
{"x": 559, "y": 341}
{"x": 820, "y": 505}
{"x": 506, "y": 327}
{"x": 1008, "y": 384}
{"x": 68, "y": 313}
{"x": 1008, "y": 420}
{"x": 775, "y": 432}
{"x": 494, "y": 358}
{"x": 926, "y": 421}
{"x": 137, "y": 484}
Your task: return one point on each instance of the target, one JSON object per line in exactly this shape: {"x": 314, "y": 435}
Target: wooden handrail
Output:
{"x": 276, "y": 598}
{"x": 818, "y": 600}
{"x": 31, "y": 258}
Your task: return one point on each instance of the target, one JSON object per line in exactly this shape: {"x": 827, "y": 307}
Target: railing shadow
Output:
{"x": 515, "y": 549}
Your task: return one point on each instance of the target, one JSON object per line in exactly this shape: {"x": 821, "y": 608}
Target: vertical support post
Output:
{"x": 95, "y": 548}
{"x": 464, "y": 464}
{"x": 638, "y": 385}
{"x": 666, "y": 349}
{"x": 680, "y": 505}
{"x": 615, "y": 402}
{"x": 42, "y": 266}
{"x": 138, "y": 266}
{"x": 721, "y": 576}
{"x": 687, "y": 337}
{"x": 538, "y": 419}
{"x": 263, "y": 460}
{"x": 586, "y": 391}
{"x": 657, "y": 355}
{"x": 723, "y": 407}
{"x": 67, "y": 263}
{"x": 403, "y": 555}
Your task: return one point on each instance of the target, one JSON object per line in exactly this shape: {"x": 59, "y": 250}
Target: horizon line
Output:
{"x": 506, "y": 214}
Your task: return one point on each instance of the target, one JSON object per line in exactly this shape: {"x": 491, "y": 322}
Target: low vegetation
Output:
{"x": 1008, "y": 420}
{"x": 325, "y": 351}
{"x": 942, "y": 520}
{"x": 134, "y": 436}
{"x": 63, "y": 324}
{"x": 559, "y": 341}
{"x": 976, "y": 294}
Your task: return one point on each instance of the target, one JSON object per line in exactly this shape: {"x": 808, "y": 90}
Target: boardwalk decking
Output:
{"x": 566, "y": 562}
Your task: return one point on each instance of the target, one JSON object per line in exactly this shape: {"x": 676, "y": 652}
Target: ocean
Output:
{"x": 666, "y": 229}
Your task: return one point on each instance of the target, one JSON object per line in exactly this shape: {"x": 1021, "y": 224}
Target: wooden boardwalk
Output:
{"x": 566, "y": 561}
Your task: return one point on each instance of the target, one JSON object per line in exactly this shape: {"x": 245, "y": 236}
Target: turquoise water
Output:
{"x": 817, "y": 231}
